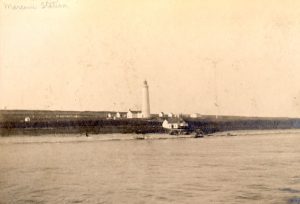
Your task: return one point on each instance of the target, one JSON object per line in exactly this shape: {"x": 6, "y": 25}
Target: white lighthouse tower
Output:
{"x": 146, "y": 103}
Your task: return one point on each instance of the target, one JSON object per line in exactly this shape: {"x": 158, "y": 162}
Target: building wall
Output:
{"x": 134, "y": 115}
{"x": 129, "y": 115}
{"x": 168, "y": 125}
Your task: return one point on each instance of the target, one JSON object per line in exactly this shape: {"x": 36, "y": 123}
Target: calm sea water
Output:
{"x": 252, "y": 167}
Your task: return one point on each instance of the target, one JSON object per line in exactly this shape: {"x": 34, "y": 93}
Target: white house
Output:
{"x": 174, "y": 123}
{"x": 134, "y": 114}
{"x": 109, "y": 115}
{"x": 27, "y": 119}
{"x": 170, "y": 115}
{"x": 195, "y": 115}
{"x": 161, "y": 115}
{"x": 120, "y": 115}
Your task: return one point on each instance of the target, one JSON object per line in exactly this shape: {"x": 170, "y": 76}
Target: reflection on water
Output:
{"x": 260, "y": 168}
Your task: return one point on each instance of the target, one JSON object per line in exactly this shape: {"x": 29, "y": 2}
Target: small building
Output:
{"x": 27, "y": 119}
{"x": 134, "y": 114}
{"x": 195, "y": 115}
{"x": 120, "y": 115}
{"x": 170, "y": 115}
{"x": 175, "y": 123}
{"x": 161, "y": 115}
{"x": 109, "y": 115}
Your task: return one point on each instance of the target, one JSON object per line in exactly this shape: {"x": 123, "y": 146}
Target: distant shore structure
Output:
{"x": 146, "y": 101}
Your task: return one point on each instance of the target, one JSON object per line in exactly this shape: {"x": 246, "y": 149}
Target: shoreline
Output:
{"x": 77, "y": 138}
{"x": 40, "y": 123}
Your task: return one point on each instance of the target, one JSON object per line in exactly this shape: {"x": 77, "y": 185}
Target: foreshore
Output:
{"x": 79, "y": 138}
{"x": 67, "y": 138}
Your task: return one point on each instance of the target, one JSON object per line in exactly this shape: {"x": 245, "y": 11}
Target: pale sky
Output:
{"x": 242, "y": 55}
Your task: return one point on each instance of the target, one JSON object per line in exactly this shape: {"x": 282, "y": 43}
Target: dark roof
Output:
{"x": 135, "y": 111}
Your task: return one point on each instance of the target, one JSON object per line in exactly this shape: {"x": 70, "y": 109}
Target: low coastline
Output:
{"x": 136, "y": 126}
{"x": 48, "y": 122}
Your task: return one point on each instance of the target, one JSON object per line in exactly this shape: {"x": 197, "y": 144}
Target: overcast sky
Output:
{"x": 211, "y": 56}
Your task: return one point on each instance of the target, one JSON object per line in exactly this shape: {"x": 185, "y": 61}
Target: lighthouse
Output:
{"x": 145, "y": 102}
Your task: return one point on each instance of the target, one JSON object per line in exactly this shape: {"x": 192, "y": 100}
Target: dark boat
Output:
{"x": 199, "y": 134}
{"x": 173, "y": 132}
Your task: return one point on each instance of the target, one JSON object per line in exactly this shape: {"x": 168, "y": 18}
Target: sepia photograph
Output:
{"x": 149, "y": 101}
